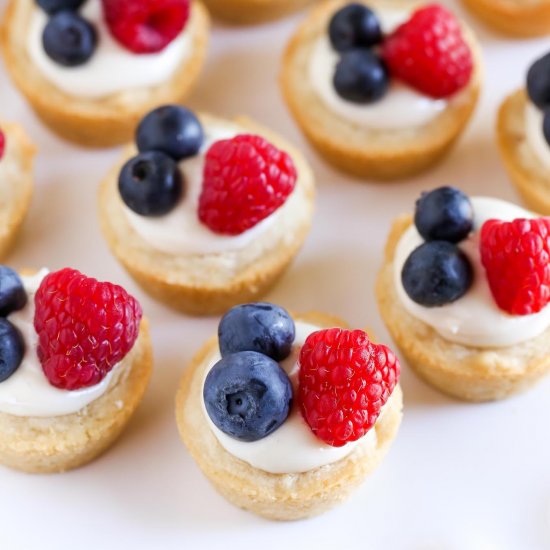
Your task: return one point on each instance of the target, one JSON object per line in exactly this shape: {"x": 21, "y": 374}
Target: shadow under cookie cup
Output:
{"x": 526, "y": 172}
{"x": 365, "y": 152}
{"x": 277, "y": 496}
{"x": 468, "y": 373}
{"x": 103, "y": 122}
{"x": 61, "y": 443}
{"x": 203, "y": 284}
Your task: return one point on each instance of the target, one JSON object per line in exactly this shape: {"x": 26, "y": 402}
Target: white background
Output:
{"x": 459, "y": 476}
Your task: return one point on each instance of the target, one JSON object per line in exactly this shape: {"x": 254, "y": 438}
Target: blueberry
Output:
{"x": 247, "y": 395}
{"x": 354, "y": 26}
{"x": 444, "y": 214}
{"x": 53, "y": 6}
{"x": 69, "y": 39}
{"x": 12, "y": 349}
{"x": 262, "y": 327}
{"x": 361, "y": 77}
{"x": 538, "y": 82}
{"x": 546, "y": 126}
{"x": 150, "y": 184}
{"x": 172, "y": 129}
{"x": 12, "y": 292}
{"x": 436, "y": 273}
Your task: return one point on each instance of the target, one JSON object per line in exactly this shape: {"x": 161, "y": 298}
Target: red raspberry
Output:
{"x": 516, "y": 257}
{"x": 245, "y": 180}
{"x": 429, "y": 53}
{"x": 345, "y": 380}
{"x": 84, "y": 328}
{"x": 2, "y": 144}
{"x": 146, "y": 26}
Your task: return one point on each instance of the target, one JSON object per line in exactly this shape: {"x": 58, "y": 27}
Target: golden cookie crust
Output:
{"x": 276, "y": 496}
{"x": 102, "y": 122}
{"x": 516, "y": 18}
{"x": 362, "y": 152}
{"x": 61, "y": 443}
{"x": 16, "y": 192}
{"x": 469, "y": 373}
{"x": 248, "y": 12}
{"x": 526, "y": 172}
{"x": 211, "y": 283}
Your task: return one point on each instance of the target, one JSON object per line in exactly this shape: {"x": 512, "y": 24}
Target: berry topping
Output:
{"x": 361, "y": 77}
{"x": 69, "y": 39}
{"x": 2, "y": 144}
{"x": 172, "y": 129}
{"x": 262, "y": 327}
{"x": 12, "y": 349}
{"x": 146, "y": 26}
{"x": 84, "y": 328}
{"x": 429, "y": 53}
{"x": 247, "y": 395}
{"x": 354, "y": 26}
{"x": 245, "y": 180}
{"x": 53, "y": 6}
{"x": 516, "y": 257}
{"x": 436, "y": 273}
{"x": 345, "y": 380}
{"x": 444, "y": 214}
{"x": 12, "y": 293}
{"x": 150, "y": 184}
{"x": 538, "y": 82}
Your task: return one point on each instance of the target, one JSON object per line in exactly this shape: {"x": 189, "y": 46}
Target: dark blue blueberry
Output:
{"x": 172, "y": 129}
{"x": 12, "y": 349}
{"x": 12, "y": 292}
{"x": 53, "y": 6}
{"x": 69, "y": 39}
{"x": 262, "y": 327}
{"x": 247, "y": 395}
{"x": 538, "y": 82}
{"x": 354, "y": 26}
{"x": 436, "y": 273}
{"x": 444, "y": 214}
{"x": 546, "y": 126}
{"x": 150, "y": 184}
{"x": 361, "y": 77}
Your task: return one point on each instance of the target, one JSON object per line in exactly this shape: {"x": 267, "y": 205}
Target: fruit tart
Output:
{"x": 204, "y": 212}
{"x": 464, "y": 292}
{"x": 92, "y": 68}
{"x": 287, "y": 415}
{"x": 382, "y": 89}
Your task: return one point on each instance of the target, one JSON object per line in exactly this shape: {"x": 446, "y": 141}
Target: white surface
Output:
{"x": 459, "y": 476}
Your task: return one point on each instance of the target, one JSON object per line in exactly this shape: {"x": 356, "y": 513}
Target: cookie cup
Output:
{"x": 365, "y": 152}
{"x": 247, "y": 12}
{"x": 60, "y": 443}
{"x": 527, "y": 173}
{"x": 16, "y": 187}
{"x": 101, "y": 122}
{"x": 516, "y": 18}
{"x": 468, "y": 373}
{"x": 276, "y": 496}
{"x": 204, "y": 284}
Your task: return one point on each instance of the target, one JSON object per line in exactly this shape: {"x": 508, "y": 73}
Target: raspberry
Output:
{"x": 84, "y": 328}
{"x": 2, "y": 144}
{"x": 516, "y": 257}
{"x": 345, "y": 380}
{"x": 146, "y": 26}
{"x": 429, "y": 53}
{"x": 245, "y": 180}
